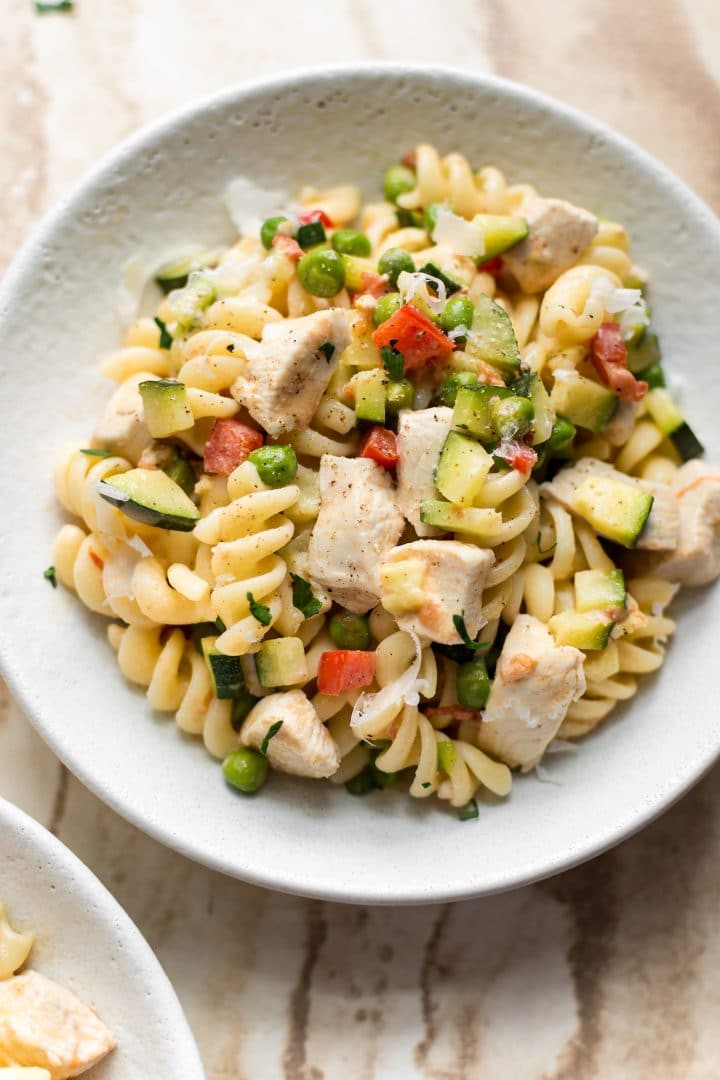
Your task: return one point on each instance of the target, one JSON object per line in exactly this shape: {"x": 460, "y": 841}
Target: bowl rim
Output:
{"x": 591, "y": 843}
{"x": 102, "y": 907}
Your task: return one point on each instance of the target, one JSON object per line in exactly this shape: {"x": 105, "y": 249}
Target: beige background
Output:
{"x": 608, "y": 971}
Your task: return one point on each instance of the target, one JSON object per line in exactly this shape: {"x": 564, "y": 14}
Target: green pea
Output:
{"x": 351, "y": 242}
{"x": 431, "y": 215}
{"x": 459, "y": 380}
{"x": 268, "y": 229}
{"x": 399, "y": 395}
{"x": 458, "y": 311}
{"x": 321, "y": 272}
{"x": 350, "y": 631}
{"x": 387, "y": 305}
{"x": 562, "y": 434}
{"x": 276, "y": 465}
{"x": 397, "y": 180}
{"x": 511, "y": 416}
{"x": 394, "y": 261}
{"x": 472, "y": 684}
{"x": 245, "y": 769}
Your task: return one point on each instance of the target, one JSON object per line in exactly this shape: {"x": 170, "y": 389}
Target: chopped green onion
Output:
{"x": 393, "y": 362}
{"x": 469, "y": 812}
{"x": 459, "y": 624}
{"x": 165, "y": 335}
{"x": 271, "y": 733}
{"x": 261, "y": 612}
{"x": 91, "y": 452}
{"x": 303, "y": 598}
{"x": 450, "y": 284}
{"x": 327, "y": 349}
{"x": 49, "y": 575}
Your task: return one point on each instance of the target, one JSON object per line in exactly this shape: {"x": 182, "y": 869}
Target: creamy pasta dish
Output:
{"x": 393, "y": 491}
{"x": 46, "y": 1032}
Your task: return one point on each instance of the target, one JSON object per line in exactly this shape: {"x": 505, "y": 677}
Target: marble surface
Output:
{"x": 607, "y": 971}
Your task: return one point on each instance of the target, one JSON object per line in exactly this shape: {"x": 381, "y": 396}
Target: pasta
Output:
{"x": 397, "y": 502}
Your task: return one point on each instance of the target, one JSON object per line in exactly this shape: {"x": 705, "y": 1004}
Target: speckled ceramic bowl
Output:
{"x": 85, "y": 941}
{"x": 162, "y": 189}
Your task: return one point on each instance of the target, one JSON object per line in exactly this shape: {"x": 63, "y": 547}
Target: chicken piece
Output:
{"x": 559, "y": 233}
{"x": 660, "y": 532}
{"x": 358, "y": 523}
{"x": 45, "y": 1025}
{"x": 303, "y": 745}
{"x": 426, "y": 582}
{"x": 14, "y": 947}
{"x": 696, "y": 559}
{"x": 122, "y": 427}
{"x": 288, "y": 374}
{"x": 420, "y": 439}
{"x": 535, "y": 681}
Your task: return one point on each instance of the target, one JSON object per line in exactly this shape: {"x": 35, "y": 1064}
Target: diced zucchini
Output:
{"x": 403, "y": 585}
{"x": 501, "y": 231}
{"x": 584, "y": 630}
{"x": 463, "y": 519}
{"x": 531, "y": 386}
{"x": 179, "y": 469}
{"x": 369, "y": 388}
{"x": 599, "y": 590}
{"x": 165, "y": 407}
{"x": 588, "y": 404}
{"x": 307, "y": 505}
{"x": 225, "y": 671}
{"x": 492, "y": 338}
{"x": 472, "y": 410}
{"x": 672, "y": 423}
{"x": 615, "y": 509}
{"x": 281, "y": 662}
{"x": 174, "y": 274}
{"x": 644, "y": 353}
{"x": 150, "y": 496}
{"x": 653, "y": 375}
{"x": 355, "y": 267}
{"x": 451, "y": 286}
{"x": 462, "y": 469}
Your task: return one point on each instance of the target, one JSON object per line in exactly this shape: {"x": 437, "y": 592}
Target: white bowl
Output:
{"x": 162, "y": 189}
{"x": 85, "y": 941}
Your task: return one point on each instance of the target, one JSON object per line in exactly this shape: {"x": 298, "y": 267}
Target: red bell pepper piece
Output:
{"x": 345, "y": 669}
{"x": 518, "y": 455}
{"x": 228, "y": 445}
{"x": 608, "y": 353}
{"x": 381, "y": 446}
{"x": 373, "y": 284}
{"x": 492, "y": 266}
{"x": 415, "y": 336}
{"x": 306, "y": 216}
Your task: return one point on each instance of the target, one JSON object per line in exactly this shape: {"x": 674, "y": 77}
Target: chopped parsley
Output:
{"x": 270, "y": 734}
{"x": 426, "y": 784}
{"x": 328, "y": 350}
{"x": 469, "y": 812}
{"x": 261, "y": 612}
{"x": 165, "y": 335}
{"x": 92, "y": 452}
{"x": 49, "y": 575}
{"x": 459, "y": 624}
{"x": 303, "y": 598}
{"x": 393, "y": 362}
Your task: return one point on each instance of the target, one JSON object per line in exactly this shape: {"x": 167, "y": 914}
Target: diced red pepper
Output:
{"x": 228, "y": 445}
{"x": 518, "y": 455}
{"x": 289, "y": 246}
{"x": 345, "y": 669}
{"x": 306, "y": 216}
{"x": 415, "y": 336}
{"x": 608, "y": 353}
{"x": 381, "y": 446}
{"x": 492, "y": 266}
{"x": 373, "y": 284}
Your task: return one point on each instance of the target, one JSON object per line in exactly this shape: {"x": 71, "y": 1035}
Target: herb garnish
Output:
{"x": 165, "y": 335}
{"x": 44, "y": 6}
{"x": 261, "y": 612}
{"x": 328, "y": 349}
{"x": 459, "y": 624}
{"x": 49, "y": 575}
{"x": 303, "y": 598}
{"x": 469, "y": 812}
{"x": 393, "y": 362}
{"x": 91, "y": 452}
{"x": 270, "y": 734}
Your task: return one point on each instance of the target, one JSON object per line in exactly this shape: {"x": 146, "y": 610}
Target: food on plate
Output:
{"x": 393, "y": 490}
{"x": 46, "y": 1032}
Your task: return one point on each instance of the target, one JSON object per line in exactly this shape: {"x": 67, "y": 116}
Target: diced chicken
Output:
{"x": 14, "y": 947}
{"x": 559, "y": 233}
{"x": 421, "y": 436}
{"x": 122, "y": 427}
{"x": 426, "y": 582}
{"x": 696, "y": 559}
{"x": 535, "y": 682}
{"x": 660, "y": 532}
{"x": 288, "y": 374}
{"x": 358, "y": 523}
{"x": 45, "y": 1025}
{"x": 303, "y": 745}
